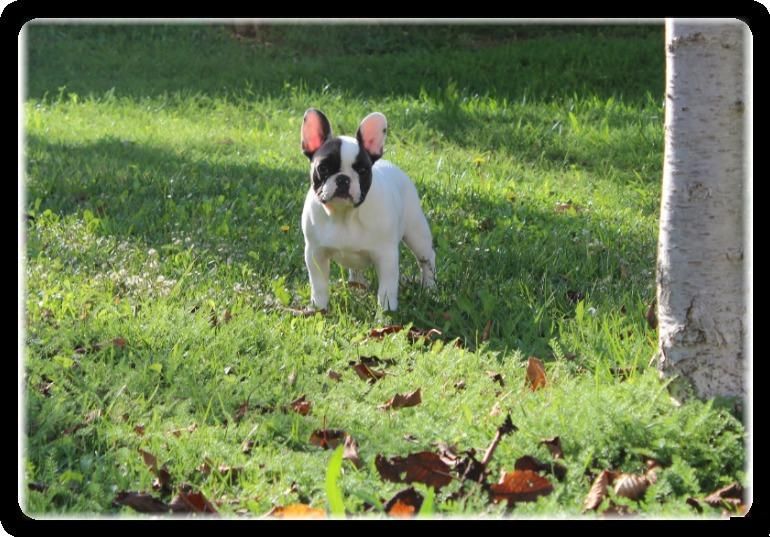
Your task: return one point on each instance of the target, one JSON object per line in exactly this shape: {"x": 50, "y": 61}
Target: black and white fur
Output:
{"x": 358, "y": 209}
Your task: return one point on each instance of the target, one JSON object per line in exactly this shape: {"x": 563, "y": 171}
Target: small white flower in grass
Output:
{"x": 152, "y": 252}
{"x": 591, "y": 311}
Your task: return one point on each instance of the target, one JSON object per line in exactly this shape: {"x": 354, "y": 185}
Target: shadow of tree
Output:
{"x": 393, "y": 61}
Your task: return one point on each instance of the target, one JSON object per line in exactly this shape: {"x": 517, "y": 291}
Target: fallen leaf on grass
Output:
{"x": 413, "y": 335}
{"x": 296, "y": 510}
{"x": 460, "y": 385}
{"x": 334, "y": 375}
{"x": 651, "y": 315}
{"x": 231, "y": 472}
{"x": 527, "y": 462}
{"x": 45, "y": 386}
{"x": 520, "y": 486}
{"x": 422, "y": 467}
{"x": 149, "y": 459}
{"x": 351, "y": 452}
{"x": 403, "y": 401}
{"x": 598, "y": 490}
{"x": 139, "y": 429}
{"x": 162, "y": 479}
{"x": 301, "y": 406}
{"x": 496, "y": 377}
{"x": 36, "y": 486}
{"x": 631, "y": 486}
{"x": 562, "y": 207}
{"x": 88, "y": 420}
{"x": 247, "y": 446}
{"x": 731, "y": 494}
{"x": 366, "y": 372}
{"x": 692, "y": 502}
{"x": 554, "y": 446}
{"x": 241, "y": 412}
{"x": 178, "y": 432}
{"x": 119, "y": 342}
{"x": 575, "y": 296}
{"x": 187, "y": 501}
{"x": 140, "y": 502}
{"x": 327, "y": 438}
{"x": 615, "y": 510}
{"x": 404, "y": 504}
{"x": 535, "y": 373}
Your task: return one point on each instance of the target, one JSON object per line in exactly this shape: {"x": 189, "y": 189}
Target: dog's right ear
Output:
{"x": 315, "y": 131}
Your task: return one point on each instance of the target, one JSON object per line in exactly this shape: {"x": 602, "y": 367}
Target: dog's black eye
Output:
{"x": 360, "y": 169}
{"x": 323, "y": 169}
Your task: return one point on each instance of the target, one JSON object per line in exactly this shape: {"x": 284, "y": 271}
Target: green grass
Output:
{"x": 165, "y": 186}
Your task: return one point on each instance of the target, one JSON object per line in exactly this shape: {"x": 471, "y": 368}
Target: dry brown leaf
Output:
{"x": 187, "y": 501}
{"x": 496, "y": 377}
{"x": 140, "y": 502}
{"x": 404, "y": 504}
{"x": 241, "y": 412}
{"x": 247, "y": 446}
{"x": 554, "y": 446}
{"x": 652, "y": 316}
{"x": 334, "y": 375}
{"x": 351, "y": 452}
{"x": 231, "y": 472}
{"x": 598, "y": 490}
{"x": 575, "y": 296}
{"x": 460, "y": 385}
{"x": 296, "y": 510}
{"x": 162, "y": 482}
{"x": 527, "y": 462}
{"x": 732, "y": 494}
{"x": 178, "y": 432}
{"x": 535, "y": 373}
{"x": 422, "y": 467}
{"x": 301, "y": 406}
{"x": 327, "y": 438}
{"x": 119, "y": 342}
{"x": 379, "y": 333}
{"x": 520, "y": 486}
{"x": 149, "y": 459}
{"x": 413, "y": 335}
{"x": 366, "y": 372}
{"x": 139, "y": 429}
{"x": 403, "y": 401}
{"x": 421, "y": 334}
{"x": 692, "y": 502}
{"x": 631, "y": 486}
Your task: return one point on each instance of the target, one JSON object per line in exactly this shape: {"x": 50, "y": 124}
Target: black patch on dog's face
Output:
{"x": 363, "y": 167}
{"x": 326, "y": 162}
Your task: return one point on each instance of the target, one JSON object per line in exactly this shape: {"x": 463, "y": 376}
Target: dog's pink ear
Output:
{"x": 315, "y": 131}
{"x": 371, "y": 134}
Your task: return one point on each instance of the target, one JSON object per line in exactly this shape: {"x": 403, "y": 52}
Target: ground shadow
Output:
{"x": 499, "y": 260}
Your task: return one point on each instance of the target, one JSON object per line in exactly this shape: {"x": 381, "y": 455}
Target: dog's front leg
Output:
{"x": 317, "y": 261}
{"x": 386, "y": 265}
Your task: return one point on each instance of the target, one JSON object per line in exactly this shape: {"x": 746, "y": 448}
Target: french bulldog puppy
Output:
{"x": 358, "y": 209}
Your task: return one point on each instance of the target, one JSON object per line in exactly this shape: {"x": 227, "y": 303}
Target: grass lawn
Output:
{"x": 164, "y": 186}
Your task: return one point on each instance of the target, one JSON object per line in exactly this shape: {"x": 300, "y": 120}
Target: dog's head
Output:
{"x": 341, "y": 166}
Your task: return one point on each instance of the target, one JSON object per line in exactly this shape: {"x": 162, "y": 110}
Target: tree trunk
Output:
{"x": 700, "y": 273}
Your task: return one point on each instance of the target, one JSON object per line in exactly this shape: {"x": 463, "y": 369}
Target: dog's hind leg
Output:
{"x": 420, "y": 241}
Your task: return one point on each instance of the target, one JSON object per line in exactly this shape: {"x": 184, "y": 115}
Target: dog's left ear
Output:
{"x": 371, "y": 135}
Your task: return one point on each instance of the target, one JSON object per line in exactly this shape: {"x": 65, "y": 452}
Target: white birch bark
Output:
{"x": 700, "y": 272}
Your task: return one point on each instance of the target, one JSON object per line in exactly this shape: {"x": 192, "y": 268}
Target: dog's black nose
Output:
{"x": 343, "y": 183}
